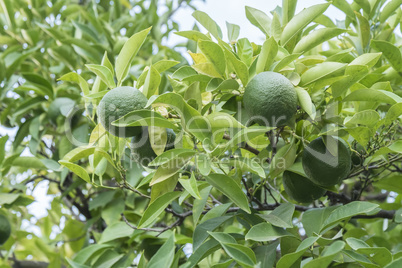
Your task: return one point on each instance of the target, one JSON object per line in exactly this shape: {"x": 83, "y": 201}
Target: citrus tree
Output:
{"x": 284, "y": 153}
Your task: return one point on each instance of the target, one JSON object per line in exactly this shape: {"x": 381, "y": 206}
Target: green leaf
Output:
{"x": 190, "y": 185}
{"x": 214, "y": 53}
{"x": 373, "y": 95}
{"x": 164, "y": 256}
{"x": 127, "y": 54}
{"x": 115, "y": 231}
{"x": 395, "y": 263}
{"x": 283, "y": 159}
{"x": 3, "y": 141}
{"x": 283, "y": 63}
{"x": 193, "y": 35}
{"x": 171, "y": 155}
{"x": 316, "y": 38}
{"x": 349, "y": 210}
{"x": 361, "y": 134}
{"x": 247, "y": 134}
{"x": 40, "y": 82}
{"x": 85, "y": 254}
{"x": 191, "y": 118}
{"x": 164, "y": 65}
{"x": 368, "y": 118}
{"x": 259, "y": 19}
{"x": 104, "y": 73}
{"x": 76, "y": 78}
{"x": 240, "y": 67}
{"x": 166, "y": 171}
{"x": 305, "y": 102}
{"x": 322, "y": 71}
{"x": 8, "y": 11}
{"x": 289, "y": 259}
{"x": 300, "y": 21}
{"x": 267, "y": 55}
{"x": 152, "y": 82}
{"x": 199, "y": 204}
{"x": 390, "y": 52}
{"x": 389, "y": 8}
{"x": 205, "y": 20}
{"x": 313, "y": 219}
{"x": 391, "y": 183}
{"x": 144, "y": 117}
{"x": 266, "y": 255}
{"x": 243, "y": 255}
{"x": 201, "y": 230}
{"x": 379, "y": 255}
{"x": 30, "y": 162}
{"x": 233, "y": 31}
{"x": 230, "y": 188}
{"x": 79, "y": 153}
{"x": 264, "y": 232}
{"x": 281, "y": 216}
{"x": 78, "y": 170}
{"x": 364, "y": 30}
{"x": 248, "y": 164}
{"x": 156, "y": 208}
{"x": 327, "y": 256}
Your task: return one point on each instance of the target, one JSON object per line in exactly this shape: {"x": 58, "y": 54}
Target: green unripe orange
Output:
{"x": 301, "y": 189}
{"x": 5, "y": 229}
{"x": 117, "y": 103}
{"x": 270, "y": 99}
{"x": 324, "y": 168}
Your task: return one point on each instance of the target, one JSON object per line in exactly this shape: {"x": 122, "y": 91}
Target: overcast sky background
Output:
{"x": 232, "y": 11}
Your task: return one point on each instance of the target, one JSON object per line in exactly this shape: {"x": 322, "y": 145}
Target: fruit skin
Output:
{"x": 5, "y": 229}
{"x": 321, "y": 167}
{"x": 271, "y": 98}
{"x": 141, "y": 146}
{"x": 301, "y": 189}
{"x": 117, "y": 103}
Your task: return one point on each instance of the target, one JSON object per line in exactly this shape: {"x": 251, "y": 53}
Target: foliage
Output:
{"x": 220, "y": 189}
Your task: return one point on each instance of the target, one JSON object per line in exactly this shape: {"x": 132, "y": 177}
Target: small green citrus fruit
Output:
{"x": 301, "y": 189}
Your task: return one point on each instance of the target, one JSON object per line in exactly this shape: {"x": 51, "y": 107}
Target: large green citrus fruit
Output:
{"x": 5, "y": 229}
{"x": 117, "y": 103}
{"x": 324, "y": 168}
{"x": 270, "y": 99}
{"x": 301, "y": 189}
{"x": 141, "y": 146}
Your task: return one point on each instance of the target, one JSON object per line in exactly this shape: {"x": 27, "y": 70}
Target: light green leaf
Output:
{"x": 243, "y": 255}
{"x": 156, "y": 208}
{"x": 300, "y": 21}
{"x": 373, "y": 95}
{"x": 391, "y": 183}
{"x": 395, "y": 263}
{"x": 191, "y": 186}
{"x": 205, "y": 20}
{"x": 230, "y": 188}
{"x": 248, "y": 164}
{"x": 305, "y": 102}
{"x": 389, "y": 8}
{"x": 313, "y": 219}
{"x": 259, "y": 19}
{"x": 152, "y": 82}
{"x": 166, "y": 171}
{"x": 171, "y": 155}
{"x": 104, "y": 73}
{"x": 368, "y": 118}
{"x": 267, "y": 55}
{"x": 322, "y": 71}
{"x": 283, "y": 159}
{"x": 240, "y": 67}
{"x": 214, "y": 53}
{"x": 193, "y": 35}
{"x": 233, "y": 31}
{"x": 379, "y": 255}
{"x": 76, "y": 78}
{"x": 78, "y": 170}
{"x": 144, "y": 117}
{"x": 127, "y": 54}
{"x": 315, "y": 38}
{"x": 390, "y": 52}
{"x": 364, "y": 30}
{"x": 264, "y": 232}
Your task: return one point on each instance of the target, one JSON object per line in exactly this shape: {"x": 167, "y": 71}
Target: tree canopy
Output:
{"x": 212, "y": 192}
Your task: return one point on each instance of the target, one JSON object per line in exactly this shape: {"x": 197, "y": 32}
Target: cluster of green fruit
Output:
{"x": 271, "y": 100}
{"x": 117, "y": 103}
